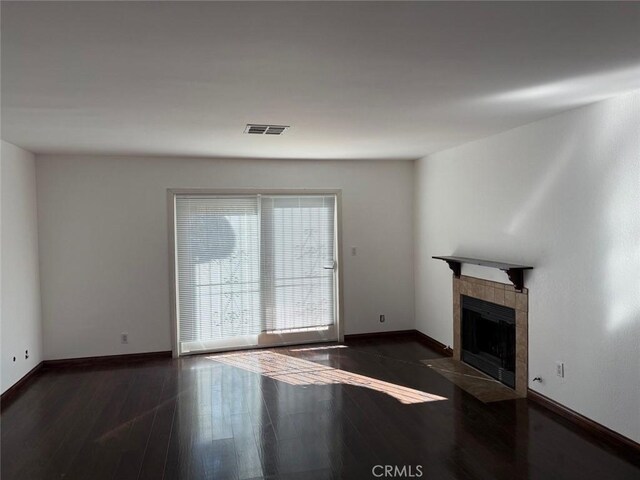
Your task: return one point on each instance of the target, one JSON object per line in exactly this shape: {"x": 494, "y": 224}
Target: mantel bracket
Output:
{"x": 516, "y": 276}
{"x": 456, "y": 268}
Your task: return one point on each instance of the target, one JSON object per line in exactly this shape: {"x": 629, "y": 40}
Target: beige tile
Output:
{"x": 510, "y": 298}
{"x": 522, "y": 320}
{"x": 490, "y": 294}
{"x": 498, "y": 296}
{"x": 522, "y": 351}
{"x": 481, "y": 292}
{"x": 457, "y": 347}
{"x": 456, "y": 342}
{"x": 522, "y": 302}
{"x": 521, "y": 344}
{"x": 471, "y": 289}
{"x": 522, "y": 381}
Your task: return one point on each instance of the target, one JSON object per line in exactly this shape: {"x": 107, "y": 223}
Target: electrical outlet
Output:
{"x": 124, "y": 337}
{"x": 560, "y": 369}
{"x": 382, "y": 319}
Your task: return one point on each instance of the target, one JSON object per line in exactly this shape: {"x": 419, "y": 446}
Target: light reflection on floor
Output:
{"x": 296, "y": 371}
{"x": 324, "y": 347}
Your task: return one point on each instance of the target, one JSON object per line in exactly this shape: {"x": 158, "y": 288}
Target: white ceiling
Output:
{"x": 354, "y": 80}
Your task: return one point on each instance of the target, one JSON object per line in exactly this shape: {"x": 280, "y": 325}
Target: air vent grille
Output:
{"x": 265, "y": 129}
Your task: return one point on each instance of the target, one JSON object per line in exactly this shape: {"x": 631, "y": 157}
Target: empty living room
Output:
{"x": 319, "y": 240}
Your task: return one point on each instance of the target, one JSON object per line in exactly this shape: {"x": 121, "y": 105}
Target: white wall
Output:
{"x": 562, "y": 194}
{"x": 104, "y": 248}
{"x": 20, "y": 321}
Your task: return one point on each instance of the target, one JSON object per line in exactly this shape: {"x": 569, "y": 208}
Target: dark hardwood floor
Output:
{"x": 198, "y": 418}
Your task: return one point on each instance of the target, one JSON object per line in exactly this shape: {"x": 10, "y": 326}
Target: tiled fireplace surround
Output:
{"x": 500, "y": 294}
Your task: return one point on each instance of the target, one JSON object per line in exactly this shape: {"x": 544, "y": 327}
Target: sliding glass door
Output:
{"x": 254, "y": 270}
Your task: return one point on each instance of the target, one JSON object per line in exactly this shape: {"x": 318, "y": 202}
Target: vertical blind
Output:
{"x": 255, "y": 264}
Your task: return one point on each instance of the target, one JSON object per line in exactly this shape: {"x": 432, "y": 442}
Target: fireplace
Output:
{"x": 492, "y": 332}
{"x": 489, "y": 338}
{"x": 503, "y": 301}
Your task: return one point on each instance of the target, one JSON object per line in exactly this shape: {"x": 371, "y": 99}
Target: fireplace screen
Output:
{"x": 489, "y": 338}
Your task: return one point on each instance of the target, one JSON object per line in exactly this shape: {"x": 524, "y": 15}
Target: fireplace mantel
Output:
{"x": 513, "y": 271}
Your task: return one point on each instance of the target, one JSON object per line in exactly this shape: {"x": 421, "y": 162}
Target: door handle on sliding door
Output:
{"x": 330, "y": 267}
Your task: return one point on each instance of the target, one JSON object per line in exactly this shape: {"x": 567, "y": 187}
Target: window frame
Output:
{"x": 172, "y": 193}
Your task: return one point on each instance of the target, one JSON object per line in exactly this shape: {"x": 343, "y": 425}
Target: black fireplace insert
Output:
{"x": 489, "y": 338}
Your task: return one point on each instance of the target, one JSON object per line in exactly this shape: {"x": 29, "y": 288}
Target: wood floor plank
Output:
{"x": 200, "y": 418}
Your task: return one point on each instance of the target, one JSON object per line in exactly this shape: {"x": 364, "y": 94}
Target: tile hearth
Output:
{"x": 480, "y": 385}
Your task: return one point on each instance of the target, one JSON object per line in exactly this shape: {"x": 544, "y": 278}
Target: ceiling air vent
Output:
{"x": 265, "y": 129}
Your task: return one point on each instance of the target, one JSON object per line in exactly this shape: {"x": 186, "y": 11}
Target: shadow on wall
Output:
{"x": 620, "y": 135}
{"x": 541, "y": 192}
{"x": 614, "y": 173}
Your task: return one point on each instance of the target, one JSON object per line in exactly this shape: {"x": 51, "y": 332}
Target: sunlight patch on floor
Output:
{"x": 296, "y": 371}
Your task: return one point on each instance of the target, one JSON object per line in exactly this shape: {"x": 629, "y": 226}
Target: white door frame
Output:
{"x": 173, "y": 258}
